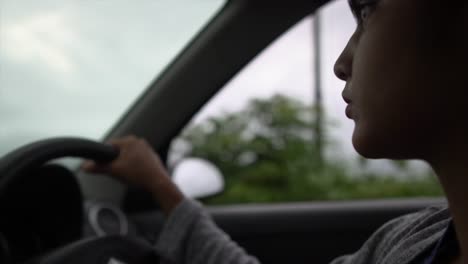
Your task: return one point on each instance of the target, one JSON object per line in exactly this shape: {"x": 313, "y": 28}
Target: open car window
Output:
{"x": 260, "y": 129}
{"x": 72, "y": 68}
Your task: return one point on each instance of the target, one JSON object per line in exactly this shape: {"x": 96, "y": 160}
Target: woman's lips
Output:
{"x": 349, "y": 111}
{"x": 348, "y": 101}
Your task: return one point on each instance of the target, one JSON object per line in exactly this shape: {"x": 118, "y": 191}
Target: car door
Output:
{"x": 311, "y": 232}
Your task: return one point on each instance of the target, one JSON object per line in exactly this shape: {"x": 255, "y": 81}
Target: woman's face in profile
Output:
{"x": 404, "y": 73}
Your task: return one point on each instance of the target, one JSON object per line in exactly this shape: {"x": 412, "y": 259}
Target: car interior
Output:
{"x": 51, "y": 214}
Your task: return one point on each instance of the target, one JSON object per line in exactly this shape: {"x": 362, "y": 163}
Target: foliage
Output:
{"x": 266, "y": 154}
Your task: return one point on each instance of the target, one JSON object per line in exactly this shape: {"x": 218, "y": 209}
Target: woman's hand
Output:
{"x": 138, "y": 165}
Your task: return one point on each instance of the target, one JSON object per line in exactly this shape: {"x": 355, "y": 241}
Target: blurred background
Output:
{"x": 277, "y": 130}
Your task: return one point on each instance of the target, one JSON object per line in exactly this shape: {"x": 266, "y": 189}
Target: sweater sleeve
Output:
{"x": 191, "y": 237}
{"x": 402, "y": 239}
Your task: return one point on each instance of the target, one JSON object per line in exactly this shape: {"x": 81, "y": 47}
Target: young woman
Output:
{"x": 404, "y": 69}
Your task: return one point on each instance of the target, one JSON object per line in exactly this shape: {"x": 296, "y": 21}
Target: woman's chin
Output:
{"x": 368, "y": 146}
{"x": 378, "y": 146}
{"x": 389, "y": 142}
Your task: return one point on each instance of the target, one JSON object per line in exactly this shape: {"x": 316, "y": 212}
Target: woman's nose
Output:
{"x": 343, "y": 65}
{"x": 340, "y": 70}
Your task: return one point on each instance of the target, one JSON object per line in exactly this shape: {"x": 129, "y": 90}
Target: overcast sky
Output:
{"x": 73, "y": 67}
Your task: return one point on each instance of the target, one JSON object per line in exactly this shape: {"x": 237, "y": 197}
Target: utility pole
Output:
{"x": 318, "y": 103}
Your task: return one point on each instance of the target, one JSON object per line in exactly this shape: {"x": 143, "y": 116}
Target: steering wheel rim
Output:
{"x": 16, "y": 165}
{"x": 110, "y": 249}
{"x": 37, "y": 153}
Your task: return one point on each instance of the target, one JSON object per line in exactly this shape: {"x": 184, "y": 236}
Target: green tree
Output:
{"x": 267, "y": 154}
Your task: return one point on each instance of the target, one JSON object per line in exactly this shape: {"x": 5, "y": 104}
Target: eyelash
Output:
{"x": 361, "y": 6}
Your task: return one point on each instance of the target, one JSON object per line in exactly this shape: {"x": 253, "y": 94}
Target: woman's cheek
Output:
{"x": 380, "y": 121}
{"x": 368, "y": 134}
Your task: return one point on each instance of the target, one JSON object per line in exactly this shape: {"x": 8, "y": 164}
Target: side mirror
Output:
{"x": 198, "y": 178}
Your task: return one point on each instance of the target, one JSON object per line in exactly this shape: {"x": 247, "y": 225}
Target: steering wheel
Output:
{"x": 14, "y": 168}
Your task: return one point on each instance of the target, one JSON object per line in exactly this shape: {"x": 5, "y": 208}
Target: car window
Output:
{"x": 72, "y": 68}
{"x": 272, "y": 142}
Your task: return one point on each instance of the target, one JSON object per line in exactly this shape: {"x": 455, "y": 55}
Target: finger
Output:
{"x": 88, "y": 165}
{"x": 116, "y": 142}
{"x": 123, "y": 141}
{"x": 93, "y": 167}
{"x": 128, "y": 138}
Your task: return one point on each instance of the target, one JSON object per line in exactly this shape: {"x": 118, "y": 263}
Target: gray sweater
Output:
{"x": 191, "y": 237}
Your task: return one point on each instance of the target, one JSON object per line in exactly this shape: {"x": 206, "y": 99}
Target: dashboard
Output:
{"x": 45, "y": 211}
{"x": 103, "y": 219}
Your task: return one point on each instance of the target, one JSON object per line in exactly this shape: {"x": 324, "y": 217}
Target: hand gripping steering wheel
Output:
{"x": 14, "y": 167}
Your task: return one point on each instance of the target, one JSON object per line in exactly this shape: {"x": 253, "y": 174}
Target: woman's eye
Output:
{"x": 365, "y": 10}
{"x": 365, "y": 13}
